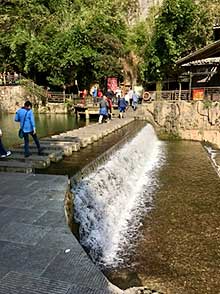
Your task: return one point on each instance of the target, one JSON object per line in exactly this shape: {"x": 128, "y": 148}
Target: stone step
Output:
{"x": 83, "y": 142}
{"x": 66, "y": 145}
{"x": 49, "y": 145}
{"x": 54, "y": 155}
{"x": 36, "y": 160}
{"x": 15, "y": 166}
{"x": 64, "y": 137}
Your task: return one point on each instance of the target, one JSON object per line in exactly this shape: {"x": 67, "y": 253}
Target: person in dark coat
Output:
{"x": 103, "y": 109}
{"x": 109, "y": 104}
{"x": 122, "y": 105}
{"x": 3, "y": 152}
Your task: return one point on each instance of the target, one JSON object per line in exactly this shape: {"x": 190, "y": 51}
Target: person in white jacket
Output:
{"x": 3, "y": 152}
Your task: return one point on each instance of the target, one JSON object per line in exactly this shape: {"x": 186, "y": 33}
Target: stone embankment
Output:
{"x": 13, "y": 97}
{"x": 58, "y": 146}
{"x": 196, "y": 121}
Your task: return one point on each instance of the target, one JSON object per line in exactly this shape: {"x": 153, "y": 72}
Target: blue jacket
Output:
{"x": 135, "y": 98}
{"x": 29, "y": 124}
{"x": 122, "y": 103}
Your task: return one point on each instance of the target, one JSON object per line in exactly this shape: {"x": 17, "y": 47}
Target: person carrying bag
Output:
{"x": 27, "y": 127}
{"x": 21, "y": 132}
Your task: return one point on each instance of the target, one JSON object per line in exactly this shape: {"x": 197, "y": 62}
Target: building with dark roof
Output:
{"x": 201, "y": 70}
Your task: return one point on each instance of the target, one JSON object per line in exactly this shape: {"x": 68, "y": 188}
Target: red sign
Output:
{"x": 112, "y": 84}
{"x": 198, "y": 94}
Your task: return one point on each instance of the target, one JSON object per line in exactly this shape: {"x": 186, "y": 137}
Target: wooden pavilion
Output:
{"x": 201, "y": 71}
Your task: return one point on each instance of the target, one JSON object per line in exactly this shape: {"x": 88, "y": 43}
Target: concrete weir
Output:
{"x": 38, "y": 252}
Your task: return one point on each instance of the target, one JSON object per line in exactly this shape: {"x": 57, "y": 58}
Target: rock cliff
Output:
{"x": 197, "y": 121}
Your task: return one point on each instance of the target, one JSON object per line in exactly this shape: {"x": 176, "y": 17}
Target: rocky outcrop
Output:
{"x": 13, "y": 97}
{"x": 197, "y": 121}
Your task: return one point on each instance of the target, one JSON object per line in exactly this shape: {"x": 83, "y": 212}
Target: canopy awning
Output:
{"x": 212, "y": 50}
{"x": 206, "y": 61}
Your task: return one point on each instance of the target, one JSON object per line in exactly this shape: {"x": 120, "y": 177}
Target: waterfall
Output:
{"x": 110, "y": 201}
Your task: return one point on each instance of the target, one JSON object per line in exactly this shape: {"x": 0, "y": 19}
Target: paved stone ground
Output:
{"x": 38, "y": 253}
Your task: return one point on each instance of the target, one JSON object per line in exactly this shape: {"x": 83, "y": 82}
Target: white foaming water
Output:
{"x": 213, "y": 153}
{"x": 109, "y": 202}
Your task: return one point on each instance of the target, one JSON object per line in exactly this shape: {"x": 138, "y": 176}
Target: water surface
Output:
{"x": 178, "y": 249}
{"x": 46, "y": 124}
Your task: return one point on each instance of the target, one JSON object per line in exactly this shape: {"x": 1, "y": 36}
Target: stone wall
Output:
{"x": 13, "y": 97}
{"x": 197, "y": 121}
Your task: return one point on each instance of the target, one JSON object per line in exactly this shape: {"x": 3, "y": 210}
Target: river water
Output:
{"x": 47, "y": 124}
{"x": 150, "y": 215}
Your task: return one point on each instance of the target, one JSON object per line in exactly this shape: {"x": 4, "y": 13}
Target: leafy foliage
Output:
{"x": 59, "y": 41}
{"x": 170, "y": 32}
{"x": 181, "y": 27}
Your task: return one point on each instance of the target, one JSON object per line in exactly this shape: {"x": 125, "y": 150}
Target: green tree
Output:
{"x": 182, "y": 26}
{"x": 59, "y": 41}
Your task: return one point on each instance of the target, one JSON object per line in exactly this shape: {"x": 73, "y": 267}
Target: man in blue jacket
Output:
{"x": 122, "y": 105}
{"x": 27, "y": 123}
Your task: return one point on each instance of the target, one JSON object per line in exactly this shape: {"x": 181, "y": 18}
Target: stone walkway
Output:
{"x": 38, "y": 253}
{"x": 57, "y": 146}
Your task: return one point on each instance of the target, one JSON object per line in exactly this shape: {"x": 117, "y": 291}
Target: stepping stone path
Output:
{"x": 58, "y": 146}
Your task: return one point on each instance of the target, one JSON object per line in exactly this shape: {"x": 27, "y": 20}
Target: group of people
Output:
{"x": 26, "y": 119}
{"x": 7, "y": 78}
{"x": 106, "y": 103}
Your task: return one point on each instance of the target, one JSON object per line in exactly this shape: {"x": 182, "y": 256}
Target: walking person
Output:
{"x": 94, "y": 94}
{"x": 3, "y": 152}
{"x": 122, "y": 104}
{"x": 103, "y": 111}
{"x": 134, "y": 101}
{"x": 127, "y": 99}
{"x": 109, "y": 107}
{"x": 100, "y": 94}
{"x": 27, "y": 125}
{"x": 130, "y": 94}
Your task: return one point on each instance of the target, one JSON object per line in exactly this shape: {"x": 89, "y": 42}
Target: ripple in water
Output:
{"x": 110, "y": 202}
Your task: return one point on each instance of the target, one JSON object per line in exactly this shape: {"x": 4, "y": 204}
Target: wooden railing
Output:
{"x": 61, "y": 97}
{"x": 212, "y": 93}
{"x": 169, "y": 95}
{"x": 206, "y": 93}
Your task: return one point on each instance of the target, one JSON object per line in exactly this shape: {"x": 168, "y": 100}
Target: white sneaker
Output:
{"x": 8, "y": 153}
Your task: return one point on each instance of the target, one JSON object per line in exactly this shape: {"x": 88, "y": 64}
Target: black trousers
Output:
{"x": 2, "y": 149}
{"x": 26, "y": 142}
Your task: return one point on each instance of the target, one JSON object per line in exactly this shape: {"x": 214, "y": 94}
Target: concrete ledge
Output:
{"x": 38, "y": 253}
